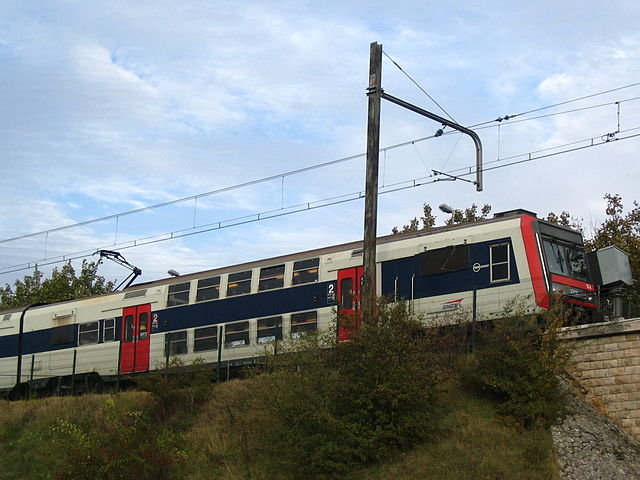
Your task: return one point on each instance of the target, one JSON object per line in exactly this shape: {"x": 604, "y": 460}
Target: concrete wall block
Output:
{"x": 617, "y": 354}
{"x": 628, "y": 361}
{"x": 635, "y": 395}
{"x": 602, "y": 356}
{"x": 592, "y": 383}
{"x": 585, "y": 342}
{"x": 591, "y": 365}
{"x": 630, "y": 344}
{"x": 595, "y": 348}
{"x": 632, "y": 370}
{"x": 625, "y": 414}
{"x": 621, "y": 397}
{"x": 628, "y": 379}
{"x": 604, "y": 340}
{"x": 612, "y": 407}
{"x": 609, "y": 363}
{"x": 615, "y": 371}
{"x": 600, "y": 373}
{"x": 631, "y": 337}
{"x": 586, "y": 357}
{"x": 621, "y": 388}
{"x": 629, "y": 405}
{"x": 611, "y": 347}
{"x": 627, "y": 423}
{"x": 603, "y": 391}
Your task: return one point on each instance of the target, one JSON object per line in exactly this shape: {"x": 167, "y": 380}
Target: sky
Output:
{"x": 107, "y": 108}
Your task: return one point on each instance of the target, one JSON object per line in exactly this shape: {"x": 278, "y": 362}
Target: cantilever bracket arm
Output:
{"x": 448, "y": 123}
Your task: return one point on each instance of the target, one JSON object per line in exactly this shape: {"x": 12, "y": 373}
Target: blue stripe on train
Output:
{"x": 407, "y": 270}
{"x": 258, "y": 305}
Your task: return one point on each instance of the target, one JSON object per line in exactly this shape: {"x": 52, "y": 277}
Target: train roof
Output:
{"x": 498, "y": 217}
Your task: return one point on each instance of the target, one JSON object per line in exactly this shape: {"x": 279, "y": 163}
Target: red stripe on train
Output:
{"x": 578, "y": 302}
{"x": 573, "y": 283}
{"x": 534, "y": 261}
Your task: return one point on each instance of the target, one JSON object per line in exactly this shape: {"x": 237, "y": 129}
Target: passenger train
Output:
{"x": 231, "y": 315}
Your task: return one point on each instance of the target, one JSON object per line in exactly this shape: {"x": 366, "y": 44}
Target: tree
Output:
{"x": 566, "y": 220}
{"x": 63, "y": 285}
{"x": 469, "y": 215}
{"x": 623, "y": 231}
{"x": 428, "y": 219}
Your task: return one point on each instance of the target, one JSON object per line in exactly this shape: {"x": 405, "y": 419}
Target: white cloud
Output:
{"x": 150, "y": 101}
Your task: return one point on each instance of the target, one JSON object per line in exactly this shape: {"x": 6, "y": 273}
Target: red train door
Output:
{"x": 135, "y": 339}
{"x": 349, "y": 296}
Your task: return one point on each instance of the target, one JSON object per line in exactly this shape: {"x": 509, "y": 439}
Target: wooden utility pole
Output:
{"x": 371, "y": 188}
{"x": 375, "y": 94}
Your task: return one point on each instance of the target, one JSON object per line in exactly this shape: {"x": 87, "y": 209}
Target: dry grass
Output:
{"x": 473, "y": 441}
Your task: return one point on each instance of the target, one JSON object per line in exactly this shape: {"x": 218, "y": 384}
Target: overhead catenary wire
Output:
{"x": 479, "y": 126}
{"x": 418, "y": 85}
{"x": 317, "y": 204}
{"x": 546, "y": 107}
{"x": 331, "y": 201}
{"x": 482, "y": 125}
{"x": 577, "y": 99}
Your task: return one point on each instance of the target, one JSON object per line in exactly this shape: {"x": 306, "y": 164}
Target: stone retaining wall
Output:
{"x": 606, "y": 364}
{"x": 590, "y": 446}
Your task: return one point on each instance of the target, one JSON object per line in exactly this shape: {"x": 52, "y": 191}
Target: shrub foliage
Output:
{"x": 520, "y": 361}
{"x": 332, "y": 406}
{"x": 120, "y": 445}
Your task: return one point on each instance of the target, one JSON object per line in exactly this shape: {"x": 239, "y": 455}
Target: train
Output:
{"x": 233, "y": 315}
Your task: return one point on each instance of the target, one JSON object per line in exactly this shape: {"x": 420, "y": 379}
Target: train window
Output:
{"x": 208, "y": 289}
{"x": 302, "y": 323}
{"x": 63, "y": 335}
{"x": 499, "y": 261}
{"x": 346, "y": 287}
{"x": 205, "y": 339}
{"x": 128, "y": 328}
{"x": 239, "y": 283}
{"x": 175, "y": 343}
{"x": 236, "y": 335}
{"x": 567, "y": 260}
{"x": 109, "y": 333}
{"x": 305, "y": 271}
{"x": 442, "y": 260}
{"x": 269, "y": 329}
{"x": 271, "y": 277}
{"x": 178, "y": 294}
{"x": 88, "y": 333}
{"x": 143, "y": 326}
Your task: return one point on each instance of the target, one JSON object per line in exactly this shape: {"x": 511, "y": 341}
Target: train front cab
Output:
{"x": 559, "y": 269}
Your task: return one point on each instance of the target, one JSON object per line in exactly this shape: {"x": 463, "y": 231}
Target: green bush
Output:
{"x": 119, "y": 445}
{"x": 332, "y": 406}
{"x": 179, "y": 388}
{"x": 519, "y": 361}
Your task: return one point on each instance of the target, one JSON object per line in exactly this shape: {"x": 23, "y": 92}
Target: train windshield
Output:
{"x": 565, "y": 259}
